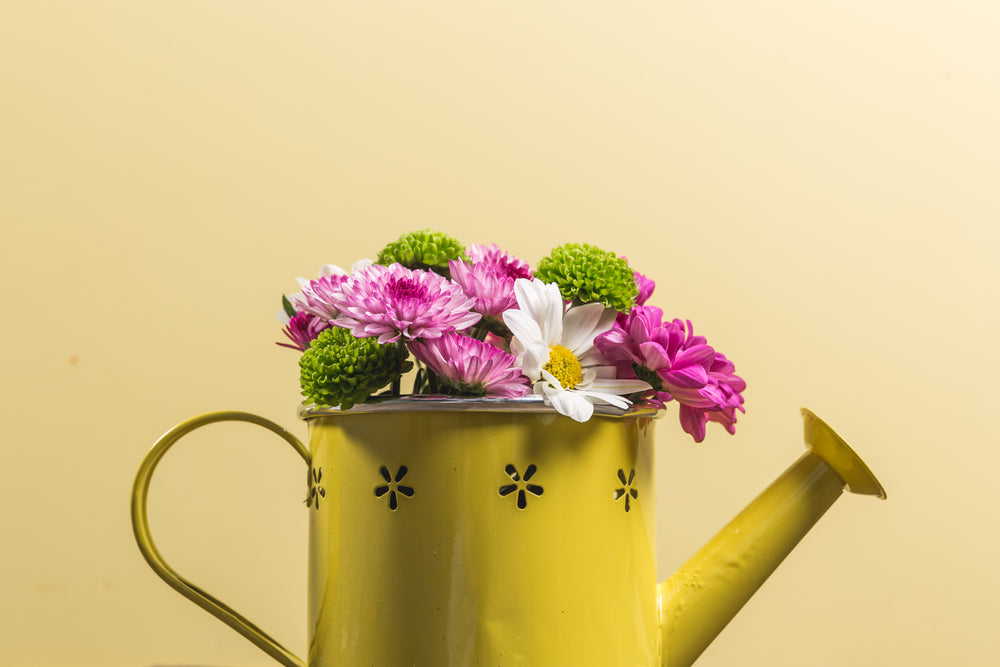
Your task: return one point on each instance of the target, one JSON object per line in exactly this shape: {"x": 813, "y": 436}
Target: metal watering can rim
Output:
{"x": 526, "y": 404}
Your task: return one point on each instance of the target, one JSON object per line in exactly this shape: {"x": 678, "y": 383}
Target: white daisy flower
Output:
{"x": 554, "y": 347}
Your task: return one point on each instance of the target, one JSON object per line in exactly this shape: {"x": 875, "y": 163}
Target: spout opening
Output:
{"x": 826, "y": 444}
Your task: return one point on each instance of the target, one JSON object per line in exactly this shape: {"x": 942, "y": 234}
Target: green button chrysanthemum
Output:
{"x": 587, "y": 274}
{"x": 339, "y": 369}
{"x": 422, "y": 250}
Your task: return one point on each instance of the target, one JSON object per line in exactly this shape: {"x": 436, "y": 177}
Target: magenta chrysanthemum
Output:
{"x": 679, "y": 365}
{"x": 467, "y": 366}
{"x": 303, "y": 329}
{"x": 723, "y": 375}
{"x": 645, "y": 285}
{"x": 394, "y": 302}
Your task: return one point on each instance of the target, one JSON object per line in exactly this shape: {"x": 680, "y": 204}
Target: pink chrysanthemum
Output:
{"x": 679, "y": 365}
{"x": 394, "y": 302}
{"x": 490, "y": 289}
{"x": 303, "y": 329}
{"x": 317, "y": 296}
{"x": 489, "y": 278}
{"x": 467, "y": 366}
{"x": 504, "y": 262}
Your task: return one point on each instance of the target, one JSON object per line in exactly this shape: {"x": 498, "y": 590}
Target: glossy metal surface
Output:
{"x": 450, "y": 532}
{"x": 504, "y": 544}
{"x": 704, "y": 594}
{"x": 140, "y": 526}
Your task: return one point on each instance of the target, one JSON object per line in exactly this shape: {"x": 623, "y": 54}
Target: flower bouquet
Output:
{"x": 477, "y": 322}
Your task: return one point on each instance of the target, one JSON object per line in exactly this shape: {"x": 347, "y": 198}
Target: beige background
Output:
{"x": 814, "y": 184}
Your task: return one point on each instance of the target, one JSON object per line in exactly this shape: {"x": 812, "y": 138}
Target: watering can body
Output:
{"x": 452, "y": 533}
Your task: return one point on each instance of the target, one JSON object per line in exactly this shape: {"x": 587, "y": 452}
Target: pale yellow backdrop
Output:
{"x": 813, "y": 184}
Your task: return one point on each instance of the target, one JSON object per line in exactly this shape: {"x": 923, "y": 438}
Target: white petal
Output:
{"x": 579, "y": 326}
{"x": 571, "y": 404}
{"x": 607, "y": 321}
{"x": 551, "y": 379}
{"x": 361, "y": 265}
{"x": 608, "y": 372}
{"x": 331, "y": 270}
{"x": 542, "y": 302}
{"x": 528, "y": 298}
{"x": 524, "y": 328}
{"x": 533, "y": 358}
{"x": 611, "y": 399}
{"x": 623, "y": 386}
{"x": 593, "y": 358}
{"x": 552, "y": 329}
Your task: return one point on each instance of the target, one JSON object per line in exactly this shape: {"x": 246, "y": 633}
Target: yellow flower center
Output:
{"x": 564, "y": 365}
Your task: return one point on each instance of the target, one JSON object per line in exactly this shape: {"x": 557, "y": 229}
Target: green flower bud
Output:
{"x": 586, "y": 274}
{"x": 339, "y": 369}
{"x": 423, "y": 250}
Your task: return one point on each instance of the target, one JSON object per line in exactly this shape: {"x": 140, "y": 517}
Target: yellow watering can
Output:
{"x": 450, "y": 533}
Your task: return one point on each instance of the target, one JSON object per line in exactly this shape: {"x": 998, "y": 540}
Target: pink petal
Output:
{"x": 692, "y": 376}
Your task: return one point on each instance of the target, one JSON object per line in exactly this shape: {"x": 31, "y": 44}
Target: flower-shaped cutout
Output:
{"x": 626, "y": 491}
{"x": 521, "y": 484}
{"x": 393, "y": 486}
{"x": 315, "y": 490}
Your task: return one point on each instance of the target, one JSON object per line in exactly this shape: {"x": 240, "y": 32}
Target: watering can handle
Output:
{"x": 140, "y": 526}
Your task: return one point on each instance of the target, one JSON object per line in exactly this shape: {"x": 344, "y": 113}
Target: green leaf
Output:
{"x": 287, "y": 306}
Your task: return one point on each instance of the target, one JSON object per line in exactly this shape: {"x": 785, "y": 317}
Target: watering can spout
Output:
{"x": 704, "y": 594}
